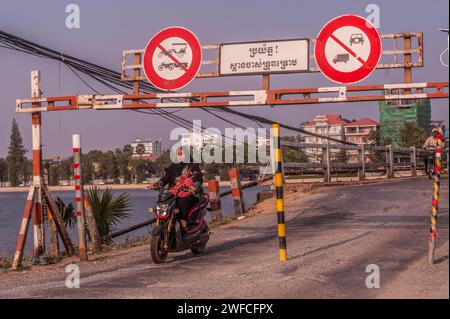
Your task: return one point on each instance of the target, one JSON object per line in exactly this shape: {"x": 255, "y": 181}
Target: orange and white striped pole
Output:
{"x": 17, "y": 262}
{"x": 81, "y": 224}
{"x": 38, "y": 214}
{"x": 214, "y": 199}
{"x": 435, "y": 201}
{"x": 236, "y": 191}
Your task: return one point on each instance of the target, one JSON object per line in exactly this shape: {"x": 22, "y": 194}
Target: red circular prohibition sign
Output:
{"x": 367, "y": 66}
{"x": 190, "y": 72}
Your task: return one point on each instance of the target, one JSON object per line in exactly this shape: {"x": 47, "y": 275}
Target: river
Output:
{"x": 12, "y": 204}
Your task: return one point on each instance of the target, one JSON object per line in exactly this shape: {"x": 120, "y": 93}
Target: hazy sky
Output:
{"x": 108, "y": 27}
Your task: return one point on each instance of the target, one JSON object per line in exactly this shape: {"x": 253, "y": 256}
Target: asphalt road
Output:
{"x": 332, "y": 235}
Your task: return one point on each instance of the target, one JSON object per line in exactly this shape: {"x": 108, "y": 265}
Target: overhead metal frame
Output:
{"x": 393, "y": 50}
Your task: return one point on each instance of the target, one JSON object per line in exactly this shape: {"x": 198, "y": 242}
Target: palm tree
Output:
{"x": 108, "y": 211}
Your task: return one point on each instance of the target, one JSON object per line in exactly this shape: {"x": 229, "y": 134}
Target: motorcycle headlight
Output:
{"x": 162, "y": 209}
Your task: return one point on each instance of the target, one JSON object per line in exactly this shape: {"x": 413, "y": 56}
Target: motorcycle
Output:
{"x": 430, "y": 159}
{"x": 166, "y": 235}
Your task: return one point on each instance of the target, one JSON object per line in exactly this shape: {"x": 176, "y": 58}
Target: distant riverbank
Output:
{"x": 103, "y": 186}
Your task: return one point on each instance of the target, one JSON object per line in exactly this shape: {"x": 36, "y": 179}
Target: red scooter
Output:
{"x": 166, "y": 235}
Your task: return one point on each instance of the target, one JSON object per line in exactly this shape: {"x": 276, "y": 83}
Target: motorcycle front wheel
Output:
{"x": 159, "y": 255}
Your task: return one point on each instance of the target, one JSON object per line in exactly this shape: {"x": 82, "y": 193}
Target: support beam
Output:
{"x": 18, "y": 256}
{"x": 58, "y": 220}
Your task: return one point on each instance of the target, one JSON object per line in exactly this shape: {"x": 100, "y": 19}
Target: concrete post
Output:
{"x": 76, "y": 141}
{"x": 413, "y": 159}
{"x": 326, "y": 163}
{"x": 390, "y": 160}
{"x": 214, "y": 199}
{"x": 362, "y": 163}
{"x": 236, "y": 191}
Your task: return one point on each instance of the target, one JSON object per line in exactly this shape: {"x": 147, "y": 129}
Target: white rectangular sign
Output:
{"x": 278, "y": 56}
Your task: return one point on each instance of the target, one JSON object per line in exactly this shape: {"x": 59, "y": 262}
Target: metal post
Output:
{"x": 278, "y": 181}
{"x": 76, "y": 141}
{"x": 17, "y": 262}
{"x": 236, "y": 191}
{"x": 38, "y": 215}
{"x": 435, "y": 201}
{"x": 96, "y": 239}
{"x": 326, "y": 163}
{"x": 362, "y": 163}
{"x": 413, "y": 159}
{"x": 214, "y": 199}
{"x": 407, "y": 58}
{"x": 266, "y": 82}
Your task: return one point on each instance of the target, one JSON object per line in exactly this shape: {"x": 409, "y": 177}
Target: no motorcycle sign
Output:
{"x": 172, "y": 58}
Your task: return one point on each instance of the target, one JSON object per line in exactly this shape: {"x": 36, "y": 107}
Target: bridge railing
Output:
{"x": 328, "y": 158}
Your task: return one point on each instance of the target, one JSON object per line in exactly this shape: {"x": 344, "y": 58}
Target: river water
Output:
{"x": 12, "y": 204}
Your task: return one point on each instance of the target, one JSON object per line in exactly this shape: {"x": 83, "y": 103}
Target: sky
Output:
{"x": 108, "y": 27}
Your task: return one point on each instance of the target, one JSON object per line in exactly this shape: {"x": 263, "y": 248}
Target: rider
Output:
{"x": 432, "y": 142}
{"x": 185, "y": 180}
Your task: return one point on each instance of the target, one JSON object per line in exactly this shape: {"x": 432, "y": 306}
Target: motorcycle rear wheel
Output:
{"x": 159, "y": 255}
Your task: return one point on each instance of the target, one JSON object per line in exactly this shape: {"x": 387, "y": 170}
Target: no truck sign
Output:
{"x": 348, "y": 49}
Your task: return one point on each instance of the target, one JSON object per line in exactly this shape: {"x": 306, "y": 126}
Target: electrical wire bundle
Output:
{"x": 112, "y": 80}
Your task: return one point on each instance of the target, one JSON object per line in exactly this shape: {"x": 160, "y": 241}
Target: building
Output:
{"x": 146, "y": 148}
{"x": 328, "y": 125}
{"x": 393, "y": 114}
{"x": 199, "y": 139}
{"x": 359, "y": 132}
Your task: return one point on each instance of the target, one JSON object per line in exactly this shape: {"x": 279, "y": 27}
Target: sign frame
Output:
{"x": 325, "y": 32}
{"x": 308, "y": 63}
{"x": 197, "y": 65}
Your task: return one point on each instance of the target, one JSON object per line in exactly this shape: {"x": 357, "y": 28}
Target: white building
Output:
{"x": 331, "y": 125}
{"x": 359, "y": 132}
{"x": 152, "y": 148}
{"x": 199, "y": 139}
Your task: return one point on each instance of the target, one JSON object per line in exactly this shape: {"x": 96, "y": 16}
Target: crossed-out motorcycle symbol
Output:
{"x": 171, "y": 66}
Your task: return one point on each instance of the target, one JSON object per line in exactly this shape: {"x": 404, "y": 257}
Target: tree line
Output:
{"x": 119, "y": 166}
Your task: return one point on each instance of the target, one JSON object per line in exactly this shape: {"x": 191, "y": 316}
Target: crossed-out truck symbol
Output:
{"x": 341, "y": 58}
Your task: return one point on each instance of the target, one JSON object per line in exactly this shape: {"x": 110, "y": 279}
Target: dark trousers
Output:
{"x": 185, "y": 204}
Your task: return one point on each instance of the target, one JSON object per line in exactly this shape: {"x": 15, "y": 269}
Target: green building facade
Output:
{"x": 394, "y": 113}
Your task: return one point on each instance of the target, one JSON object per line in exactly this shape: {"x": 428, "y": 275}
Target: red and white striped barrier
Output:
{"x": 24, "y": 228}
{"x": 430, "y": 90}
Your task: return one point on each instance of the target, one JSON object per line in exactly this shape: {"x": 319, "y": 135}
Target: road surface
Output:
{"x": 333, "y": 233}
